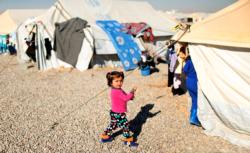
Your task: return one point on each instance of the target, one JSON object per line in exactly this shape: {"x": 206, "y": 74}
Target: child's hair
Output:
{"x": 183, "y": 49}
{"x": 114, "y": 74}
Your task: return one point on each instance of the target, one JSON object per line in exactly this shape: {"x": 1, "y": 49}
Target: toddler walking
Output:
{"x": 119, "y": 99}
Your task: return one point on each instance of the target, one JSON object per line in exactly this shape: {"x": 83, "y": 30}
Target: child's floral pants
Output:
{"x": 118, "y": 120}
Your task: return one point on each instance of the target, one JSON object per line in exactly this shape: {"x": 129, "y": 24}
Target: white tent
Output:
{"x": 92, "y": 10}
{"x": 220, "y": 50}
{"x": 11, "y": 19}
{"x": 120, "y": 10}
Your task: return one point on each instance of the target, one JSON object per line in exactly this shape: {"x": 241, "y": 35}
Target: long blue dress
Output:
{"x": 191, "y": 83}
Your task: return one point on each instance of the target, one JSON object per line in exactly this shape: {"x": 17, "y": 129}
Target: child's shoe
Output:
{"x": 130, "y": 142}
{"x": 106, "y": 138}
{"x": 195, "y": 122}
{"x": 193, "y": 119}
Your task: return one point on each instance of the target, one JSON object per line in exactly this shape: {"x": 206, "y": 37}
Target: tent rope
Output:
{"x": 56, "y": 123}
{"x": 162, "y": 49}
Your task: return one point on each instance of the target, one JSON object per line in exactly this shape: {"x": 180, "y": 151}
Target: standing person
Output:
{"x": 191, "y": 83}
{"x": 171, "y": 58}
{"x": 31, "y": 50}
{"x": 179, "y": 85}
{"x": 119, "y": 99}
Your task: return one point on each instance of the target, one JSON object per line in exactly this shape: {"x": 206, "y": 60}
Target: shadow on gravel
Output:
{"x": 140, "y": 119}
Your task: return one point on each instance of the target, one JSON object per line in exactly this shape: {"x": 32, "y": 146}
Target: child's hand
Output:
{"x": 133, "y": 89}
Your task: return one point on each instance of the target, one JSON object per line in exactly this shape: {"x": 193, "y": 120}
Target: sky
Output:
{"x": 164, "y": 5}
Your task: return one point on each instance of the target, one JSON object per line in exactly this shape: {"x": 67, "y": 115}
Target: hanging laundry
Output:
{"x": 139, "y": 29}
{"x": 3, "y": 43}
{"x": 68, "y": 39}
{"x": 31, "y": 50}
{"x": 48, "y": 48}
{"x": 127, "y": 49}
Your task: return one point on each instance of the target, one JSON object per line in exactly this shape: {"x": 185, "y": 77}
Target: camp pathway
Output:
{"x": 66, "y": 111}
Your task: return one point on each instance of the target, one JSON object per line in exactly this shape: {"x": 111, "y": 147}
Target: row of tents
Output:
{"x": 219, "y": 46}
{"x": 91, "y": 11}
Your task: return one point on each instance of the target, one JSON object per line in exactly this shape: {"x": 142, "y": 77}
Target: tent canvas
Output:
{"x": 220, "y": 50}
{"x": 228, "y": 27}
{"x": 122, "y": 11}
{"x": 11, "y": 19}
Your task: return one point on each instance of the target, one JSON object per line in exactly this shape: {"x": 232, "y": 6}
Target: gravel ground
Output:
{"x": 66, "y": 111}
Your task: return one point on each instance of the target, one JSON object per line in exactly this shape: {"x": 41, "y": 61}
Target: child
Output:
{"x": 191, "y": 84}
{"x": 171, "y": 58}
{"x": 118, "y": 110}
{"x": 179, "y": 87}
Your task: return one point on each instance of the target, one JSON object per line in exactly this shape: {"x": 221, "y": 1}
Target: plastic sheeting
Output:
{"x": 224, "y": 100}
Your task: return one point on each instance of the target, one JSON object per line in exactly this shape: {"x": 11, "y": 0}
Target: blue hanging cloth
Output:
{"x": 127, "y": 50}
{"x": 3, "y": 44}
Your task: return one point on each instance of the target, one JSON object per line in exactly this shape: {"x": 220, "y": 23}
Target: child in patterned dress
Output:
{"x": 119, "y": 99}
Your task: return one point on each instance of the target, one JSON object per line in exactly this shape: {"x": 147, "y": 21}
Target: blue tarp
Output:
{"x": 127, "y": 50}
